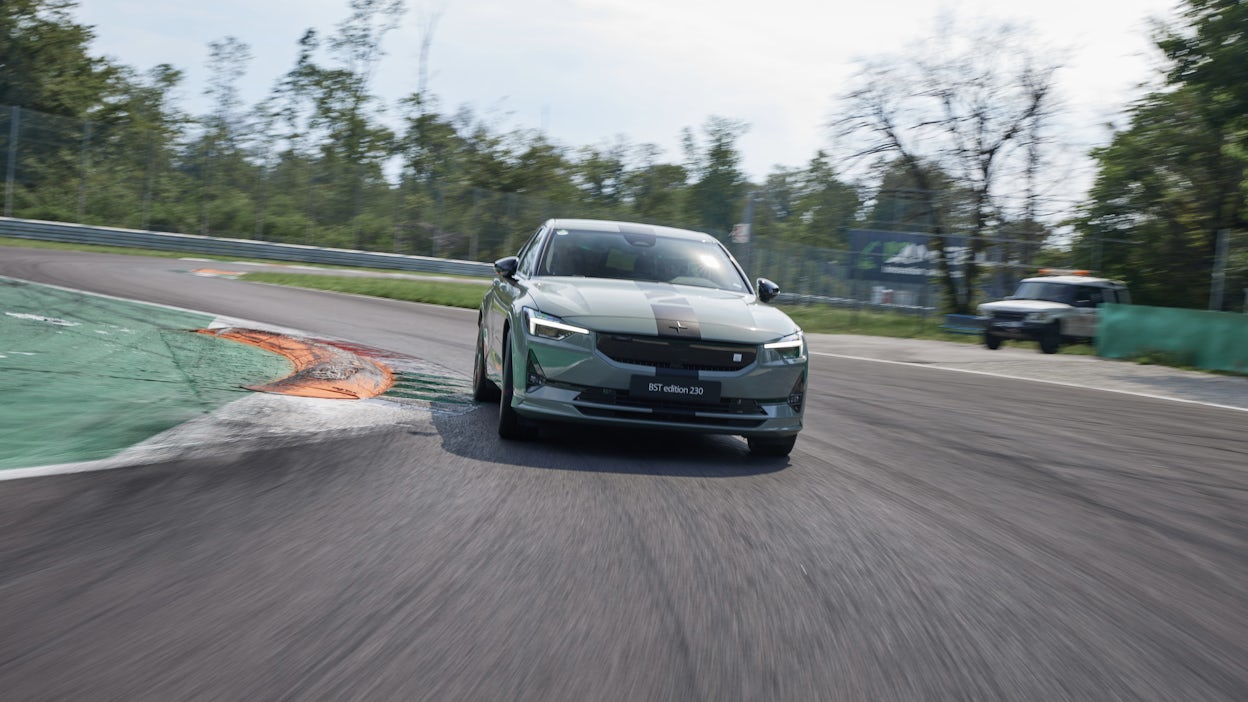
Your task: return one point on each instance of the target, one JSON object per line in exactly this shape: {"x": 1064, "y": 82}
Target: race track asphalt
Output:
{"x": 936, "y": 535}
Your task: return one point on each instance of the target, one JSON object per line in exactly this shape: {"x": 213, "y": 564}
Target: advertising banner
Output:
{"x": 901, "y": 257}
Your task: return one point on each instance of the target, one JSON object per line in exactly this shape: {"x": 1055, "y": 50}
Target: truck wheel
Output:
{"x": 992, "y": 342}
{"x": 1050, "y": 340}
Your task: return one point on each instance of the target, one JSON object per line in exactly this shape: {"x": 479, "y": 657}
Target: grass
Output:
{"x": 432, "y": 292}
{"x": 822, "y": 319}
{"x": 814, "y": 319}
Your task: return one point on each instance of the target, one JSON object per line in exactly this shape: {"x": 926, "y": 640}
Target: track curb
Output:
{"x": 322, "y": 370}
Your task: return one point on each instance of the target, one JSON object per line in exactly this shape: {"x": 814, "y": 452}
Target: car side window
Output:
{"x": 1088, "y": 296}
{"x": 528, "y": 254}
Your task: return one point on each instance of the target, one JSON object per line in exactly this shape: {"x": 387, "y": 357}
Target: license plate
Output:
{"x": 674, "y": 389}
{"x": 1010, "y": 325}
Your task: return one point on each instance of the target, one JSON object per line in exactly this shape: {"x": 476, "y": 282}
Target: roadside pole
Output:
{"x": 1218, "y": 283}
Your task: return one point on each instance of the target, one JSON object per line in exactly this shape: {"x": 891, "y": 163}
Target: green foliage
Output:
{"x": 1175, "y": 177}
{"x": 452, "y": 294}
{"x": 810, "y": 206}
{"x": 44, "y": 60}
{"x": 719, "y": 185}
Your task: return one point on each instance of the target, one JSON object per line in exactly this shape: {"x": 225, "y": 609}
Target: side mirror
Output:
{"x": 767, "y": 290}
{"x": 507, "y": 267}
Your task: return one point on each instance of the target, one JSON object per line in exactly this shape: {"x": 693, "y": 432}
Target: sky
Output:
{"x": 588, "y": 71}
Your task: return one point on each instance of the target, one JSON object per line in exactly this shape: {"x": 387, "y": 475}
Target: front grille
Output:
{"x": 1009, "y": 316}
{"x": 676, "y": 353}
{"x": 671, "y": 417}
{"x": 750, "y": 412}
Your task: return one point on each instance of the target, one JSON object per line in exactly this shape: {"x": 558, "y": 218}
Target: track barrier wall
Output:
{"x": 1208, "y": 340}
{"x": 236, "y": 248}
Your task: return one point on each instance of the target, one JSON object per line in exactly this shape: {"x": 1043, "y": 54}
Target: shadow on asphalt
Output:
{"x": 593, "y": 449}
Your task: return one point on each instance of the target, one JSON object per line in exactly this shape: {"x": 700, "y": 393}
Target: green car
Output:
{"x": 614, "y": 323}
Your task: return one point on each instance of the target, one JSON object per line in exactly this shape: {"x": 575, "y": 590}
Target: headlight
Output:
{"x": 792, "y": 346}
{"x": 1040, "y": 317}
{"x": 549, "y": 326}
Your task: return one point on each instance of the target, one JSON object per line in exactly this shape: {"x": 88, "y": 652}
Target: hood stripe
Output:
{"x": 673, "y": 314}
{"x": 675, "y": 319}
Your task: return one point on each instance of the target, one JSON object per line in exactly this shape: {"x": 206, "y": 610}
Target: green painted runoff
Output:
{"x": 83, "y": 377}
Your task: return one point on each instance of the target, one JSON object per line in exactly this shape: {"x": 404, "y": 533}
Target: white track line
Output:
{"x": 1033, "y": 380}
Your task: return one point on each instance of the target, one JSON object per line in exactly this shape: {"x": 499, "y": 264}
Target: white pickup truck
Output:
{"x": 1054, "y": 308}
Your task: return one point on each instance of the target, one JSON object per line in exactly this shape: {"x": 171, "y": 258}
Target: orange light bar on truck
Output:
{"x": 1063, "y": 271}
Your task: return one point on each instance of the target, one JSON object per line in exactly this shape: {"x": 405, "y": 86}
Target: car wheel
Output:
{"x": 992, "y": 342}
{"x": 483, "y": 389}
{"x": 509, "y": 426}
{"x": 1050, "y": 340}
{"x": 771, "y": 446}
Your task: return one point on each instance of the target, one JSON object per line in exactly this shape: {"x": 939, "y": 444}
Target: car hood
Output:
{"x": 1024, "y": 306}
{"x": 630, "y": 307}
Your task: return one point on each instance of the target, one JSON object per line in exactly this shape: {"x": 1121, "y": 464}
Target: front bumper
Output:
{"x": 570, "y": 405}
{"x": 576, "y": 382}
{"x": 1019, "y": 330}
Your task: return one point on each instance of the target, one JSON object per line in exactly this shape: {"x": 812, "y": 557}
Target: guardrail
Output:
{"x": 962, "y": 324}
{"x": 235, "y": 248}
{"x": 267, "y": 250}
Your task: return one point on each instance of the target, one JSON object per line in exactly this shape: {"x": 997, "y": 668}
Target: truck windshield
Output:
{"x": 1052, "y": 292}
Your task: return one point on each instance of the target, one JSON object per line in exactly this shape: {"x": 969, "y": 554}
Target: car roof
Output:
{"x": 605, "y": 225}
{"x": 1073, "y": 280}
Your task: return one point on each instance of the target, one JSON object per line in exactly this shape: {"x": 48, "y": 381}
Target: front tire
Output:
{"x": 777, "y": 447}
{"x": 1050, "y": 340}
{"x": 509, "y": 425}
{"x": 483, "y": 389}
{"x": 991, "y": 341}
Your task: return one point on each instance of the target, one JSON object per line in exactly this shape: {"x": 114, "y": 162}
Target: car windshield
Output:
{"x": 645, "y": 257}
{"x": 1052, "y": 292}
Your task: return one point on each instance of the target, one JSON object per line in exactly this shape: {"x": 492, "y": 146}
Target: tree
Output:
{"x": 1174, "y": 178}
{"x": 906, "y": 202}
{"x": 225, "y": 174}
{"x": 330, "y": 119}
{"x": 657, "y": 191}
{"x": 809, "y": 206}
{"x": 599, "y": 172}
{"x": 719, "y": 185}
{"x": 967, "y": 105}
{"x": 131, "y": 154}
{"x": 1162, "y": 191}
{"x": 44, "y": 60}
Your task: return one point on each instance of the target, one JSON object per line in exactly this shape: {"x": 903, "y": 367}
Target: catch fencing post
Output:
{"x": 11, "y": 171}
{"x": 1217, "y": 285}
